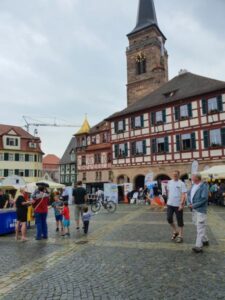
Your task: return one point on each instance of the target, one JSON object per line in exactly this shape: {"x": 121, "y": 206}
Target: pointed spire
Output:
{"x": 146, "y": 15}
{"x": 85, "y": 128}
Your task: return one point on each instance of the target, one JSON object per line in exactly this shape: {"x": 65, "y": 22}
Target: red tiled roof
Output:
{"x": 4, "y": 129}
{"x": 51, "y": 159}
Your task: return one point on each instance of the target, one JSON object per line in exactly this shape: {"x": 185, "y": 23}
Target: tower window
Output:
{"x": 141, "y": 64}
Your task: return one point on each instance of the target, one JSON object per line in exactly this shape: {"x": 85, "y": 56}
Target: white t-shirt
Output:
{"x": 175, "y": 191}
{"x": 194, "y": 189}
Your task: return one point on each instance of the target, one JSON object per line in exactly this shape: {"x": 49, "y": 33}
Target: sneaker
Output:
{"x": 197, "y": 250}
{"x": 206, "y": 244}
{"x": 179, "y": 240}
{"x": 57, "y": 229}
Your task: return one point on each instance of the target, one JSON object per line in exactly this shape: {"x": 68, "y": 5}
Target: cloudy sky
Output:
{"x": 60, "y": 59}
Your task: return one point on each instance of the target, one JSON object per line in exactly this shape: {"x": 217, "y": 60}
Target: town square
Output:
{"x": 112, "y": 164}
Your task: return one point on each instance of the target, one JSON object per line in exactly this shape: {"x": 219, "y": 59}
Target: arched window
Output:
{"x": 141, "y": 64}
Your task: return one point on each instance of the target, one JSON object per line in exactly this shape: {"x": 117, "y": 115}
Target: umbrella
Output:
{"x": 215, "y": 172}
{"x": 50, "y": 184}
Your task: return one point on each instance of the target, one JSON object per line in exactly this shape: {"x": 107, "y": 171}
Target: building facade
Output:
{"x": 94, "y": 156}
{"x": 51, "y": 167}
{"x": 68, "y": 164}
{"x": 181, "y": 123}
{"x": 20, "y": 153}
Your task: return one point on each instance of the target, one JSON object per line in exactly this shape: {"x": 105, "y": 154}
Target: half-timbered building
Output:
{"x": 94, "y": 155}
{"x": 181, "y": 122}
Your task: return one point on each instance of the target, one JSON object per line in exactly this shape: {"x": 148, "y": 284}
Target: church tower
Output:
{"x": 147, "y": 58}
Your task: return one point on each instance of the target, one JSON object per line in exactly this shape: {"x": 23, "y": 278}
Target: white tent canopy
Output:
{"x": 31, "y": 187}
{"x": 217, "y": 172}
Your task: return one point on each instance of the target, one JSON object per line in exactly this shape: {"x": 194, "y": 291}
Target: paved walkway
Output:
{"x": 127, "y": 255}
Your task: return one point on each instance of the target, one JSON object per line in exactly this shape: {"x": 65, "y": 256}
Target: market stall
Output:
{"x": 7, "y": 221}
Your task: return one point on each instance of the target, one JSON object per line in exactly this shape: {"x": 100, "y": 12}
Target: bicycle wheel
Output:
{"x": 95, "y": 207}
{"x": 111, "y": 206}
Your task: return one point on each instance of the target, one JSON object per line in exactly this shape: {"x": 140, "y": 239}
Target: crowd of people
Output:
{"x": 177, "y": 196}
{"x": 40, "y": 201}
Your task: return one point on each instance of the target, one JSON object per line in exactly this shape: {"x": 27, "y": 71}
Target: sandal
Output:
{"x": 174, "y": 236}
{"x": 179, "y": 240}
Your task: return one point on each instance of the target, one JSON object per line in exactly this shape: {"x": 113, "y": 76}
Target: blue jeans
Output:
{"x": 41, "y": 225}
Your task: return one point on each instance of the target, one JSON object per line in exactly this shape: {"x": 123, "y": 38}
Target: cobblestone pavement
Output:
{"x": 127, "y": 255}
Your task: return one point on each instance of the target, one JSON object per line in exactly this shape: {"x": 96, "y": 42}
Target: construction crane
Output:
{"x": 37, "y": 123}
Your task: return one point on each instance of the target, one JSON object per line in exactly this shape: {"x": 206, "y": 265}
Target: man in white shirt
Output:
{"x": 177, "y": 194}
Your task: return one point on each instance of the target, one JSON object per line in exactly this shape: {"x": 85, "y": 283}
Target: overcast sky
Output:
{"x": 64, "y": 58}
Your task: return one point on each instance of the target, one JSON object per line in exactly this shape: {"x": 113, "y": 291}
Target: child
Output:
{"x": 57, "y": 205}
{"x": 86, "y": 219}
{"x": 66, "y": 219}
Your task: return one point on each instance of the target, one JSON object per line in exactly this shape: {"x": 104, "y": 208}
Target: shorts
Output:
{"x": 179, "y": 215}
{"x": 58, "y": 218}
{"x": 66, "y": 223}
{"x": 22, "y": 216}
{"x": 78, "y": 211}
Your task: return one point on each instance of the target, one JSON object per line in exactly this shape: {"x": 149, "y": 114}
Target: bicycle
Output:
{"x": 108, "y": 205}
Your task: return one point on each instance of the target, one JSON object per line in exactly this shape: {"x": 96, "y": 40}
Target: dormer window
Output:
{"x": 12, "y": 142}
{"x": 32, "y": 145}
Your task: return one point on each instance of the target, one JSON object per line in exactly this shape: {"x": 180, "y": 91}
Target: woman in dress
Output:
{"x": 21, "y": 211}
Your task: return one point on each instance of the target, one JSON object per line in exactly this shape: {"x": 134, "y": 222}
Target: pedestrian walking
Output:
{"x": 66, "y": 219}
{"x": 80, "y": 198}
{"x": 86, "y": 219}
{"x": 57, "y": 204}
{"x": 177, "y": 194}
{"x": 21, "y": 215}
{"x": 40, "y": 203}
{"x": 198, "y": 203}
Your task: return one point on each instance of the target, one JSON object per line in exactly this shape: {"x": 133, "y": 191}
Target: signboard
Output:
{"x": 111, "y": 192}
{"x": 194, "y": 167}
{"x": 149, "y": 178}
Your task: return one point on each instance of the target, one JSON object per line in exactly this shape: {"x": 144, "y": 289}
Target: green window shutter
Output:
{"x": 152, "y": 118}
{"x": 164, "y": 115}
{"x": 223, "y": 136}
{"x": 6, "y": 156}
{"x": 220, "y": 103}
{"x": 6, "y": 173}
{"x": 204, "y": 106}
{"x": 178, "y": 142}
{"x": 144, "y": 147}
{"x": 166, "y": 144}
{"x": 190, "y": 114}
{"x": 26, "y": 173}
{"x": 116, "y": 151}
{"x": 206, "y": 138}
{"x": 35, "y": 173}
{"x": 116, "y": 127}
{"x": 35, "y": 157}
{"x": 124, "y": 125}
{"x": 154, "y": 148}
{"x": 133, "y": 148}
{"x": 193, "y": 141}
{"x": 142, "y": 121}
{"x": 26, "y": 157}
{"x": 17, "y": 157}
{"x": 16, "y": 172}
{"x": 126, "y": 149}
{"x": 16, "y": 142}
{"x": 132, "y": 122}
{"x": 177, "y": 113}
